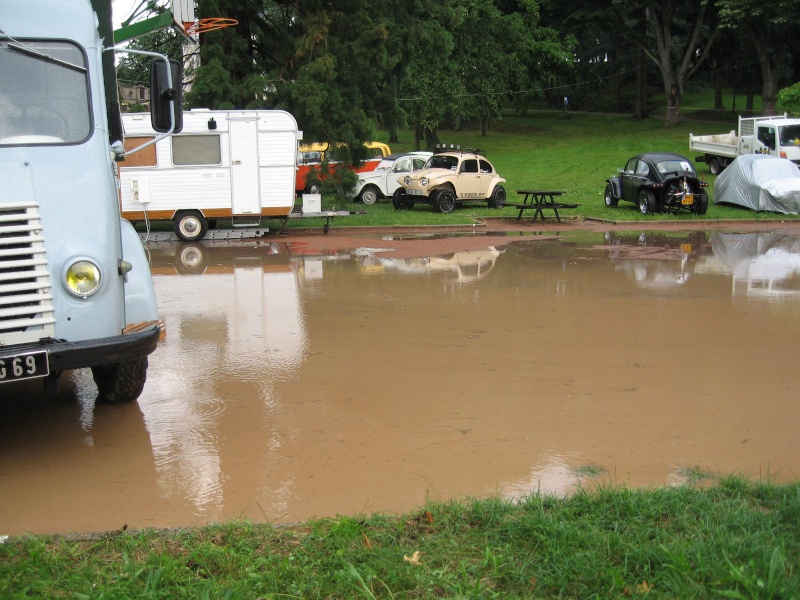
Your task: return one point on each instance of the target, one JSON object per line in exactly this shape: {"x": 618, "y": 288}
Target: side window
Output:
{"x": 485, "y": 167}
{"x": 309, "y": 157}
{"x": 469, "y": 166}
{"x": 766, "y": 135}
{"x": 196, "y": 150}
{"x": 403, "y": 165}
{"x": 630, "y": 168}
{"x": 419, "y": 163}
{"x": 143, "y": 158}
{"x": 642, "y": 169}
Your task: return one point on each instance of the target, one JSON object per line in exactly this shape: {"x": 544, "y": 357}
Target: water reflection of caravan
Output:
{"x": 466, "y": 266}
{"x": 256, "y": 312}
{"x": 237, "y": 165}
{"x": 761, "y": 264}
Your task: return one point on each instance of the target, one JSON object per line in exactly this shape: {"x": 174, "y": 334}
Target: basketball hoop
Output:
{"x": 205, "y": 25}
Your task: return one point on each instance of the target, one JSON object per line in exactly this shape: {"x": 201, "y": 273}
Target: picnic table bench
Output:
{"x": 540, "y": 200}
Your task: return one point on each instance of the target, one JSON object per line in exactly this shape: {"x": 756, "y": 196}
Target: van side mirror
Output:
{"x": 161, "y": 94}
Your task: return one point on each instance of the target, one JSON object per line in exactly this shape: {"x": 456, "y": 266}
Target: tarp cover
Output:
{"x": 760, "y": 182}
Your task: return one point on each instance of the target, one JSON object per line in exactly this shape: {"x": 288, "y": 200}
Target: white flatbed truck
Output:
{"x": 776, "y": 136}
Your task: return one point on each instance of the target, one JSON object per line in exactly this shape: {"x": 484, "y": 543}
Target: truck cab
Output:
{"x": 776, "y": 137}
{"x": 75, "y": 284}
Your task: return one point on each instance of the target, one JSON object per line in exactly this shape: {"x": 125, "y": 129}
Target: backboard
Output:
{"x": 183, "y": 16}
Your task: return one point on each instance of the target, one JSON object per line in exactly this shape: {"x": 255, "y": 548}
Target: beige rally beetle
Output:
{"x": 451, "y": 176}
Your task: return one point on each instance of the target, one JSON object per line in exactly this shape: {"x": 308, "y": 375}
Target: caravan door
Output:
{"x": 243, "y": 139}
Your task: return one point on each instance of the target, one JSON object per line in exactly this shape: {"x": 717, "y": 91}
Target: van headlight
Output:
{"x": 82, "y": 278}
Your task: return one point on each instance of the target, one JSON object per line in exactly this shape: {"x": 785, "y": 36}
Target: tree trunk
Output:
{"x": 640, "y": 110}
{"x": 718, "y": 80}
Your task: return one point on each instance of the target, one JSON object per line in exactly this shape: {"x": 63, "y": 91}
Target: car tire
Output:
{"x": 397, "y": 199}
{"x": 714, "y": 166}
{"x": 701, "y": 205}
{"x": 498, "y": 199}
{"x": 647, "y": 202}
{"x": 370, "y": 195}
{"x": 444, "y": 202}
{"x": 190, "y": 225}
{"x": 610, "y": 199}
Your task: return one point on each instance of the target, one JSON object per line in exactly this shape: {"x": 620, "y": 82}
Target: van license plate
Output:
{"x": 687, "y": 200}
{"x": 24, "y": 366}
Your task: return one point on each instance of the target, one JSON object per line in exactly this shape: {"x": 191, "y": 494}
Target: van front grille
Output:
{"x": 26, "y": 301}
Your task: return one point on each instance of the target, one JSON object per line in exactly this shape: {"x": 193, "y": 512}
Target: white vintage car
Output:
{"x": 451, "y": 176}
{"x": 382, "y": 182}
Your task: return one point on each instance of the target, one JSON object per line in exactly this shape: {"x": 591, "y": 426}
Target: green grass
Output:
{"x": 736, "y": 539}
{"x": 574, "y": 155}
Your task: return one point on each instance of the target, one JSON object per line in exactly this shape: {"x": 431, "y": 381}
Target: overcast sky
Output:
{"x": 122, "y": 9}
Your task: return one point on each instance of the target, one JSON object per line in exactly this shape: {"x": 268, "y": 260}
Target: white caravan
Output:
{"x": 234, "y": 164}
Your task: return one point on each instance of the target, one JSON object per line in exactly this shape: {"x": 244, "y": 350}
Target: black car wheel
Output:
{"x": 647, "y": 202}
{"x": 445, "y": 201}
{"x": 498, "y": 199}
{"x": 399, "y": 200}
{"x": 714, "y": 166}
{"x": 700, "y": 204}
{"x": 610, "y": 199}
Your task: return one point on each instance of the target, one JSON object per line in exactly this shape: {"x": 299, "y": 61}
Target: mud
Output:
{"x": 311, "y": 375}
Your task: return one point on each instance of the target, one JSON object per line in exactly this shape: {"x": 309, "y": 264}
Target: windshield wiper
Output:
{"x": 28, "y": 51}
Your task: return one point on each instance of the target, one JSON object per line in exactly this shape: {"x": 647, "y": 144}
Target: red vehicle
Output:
{"x": 310, "y": 156}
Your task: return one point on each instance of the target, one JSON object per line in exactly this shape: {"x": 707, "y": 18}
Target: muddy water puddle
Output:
{"x": 294, "y": 385}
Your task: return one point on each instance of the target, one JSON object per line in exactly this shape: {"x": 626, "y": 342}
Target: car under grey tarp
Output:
{"x": 760, "y": 182}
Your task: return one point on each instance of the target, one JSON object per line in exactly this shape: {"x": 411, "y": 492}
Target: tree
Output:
{"x": 789, "y": 98}
{"x": 680, "y": 37}
{"x": 772, "y": 29}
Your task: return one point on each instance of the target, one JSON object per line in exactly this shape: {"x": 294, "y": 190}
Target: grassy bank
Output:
{"x": 735, "y": 539}
{"x": 575, "y": 155}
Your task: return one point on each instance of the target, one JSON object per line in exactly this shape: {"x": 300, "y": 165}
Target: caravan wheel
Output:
{"x": 190, "y": 225}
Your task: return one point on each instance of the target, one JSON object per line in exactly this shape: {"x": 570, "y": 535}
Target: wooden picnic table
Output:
{"x": 540, "y": 200}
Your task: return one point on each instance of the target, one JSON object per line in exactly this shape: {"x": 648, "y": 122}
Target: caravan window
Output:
{"x": 196, "y": 150}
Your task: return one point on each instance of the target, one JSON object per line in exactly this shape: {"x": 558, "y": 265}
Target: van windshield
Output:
{"x": 44, "y": 97}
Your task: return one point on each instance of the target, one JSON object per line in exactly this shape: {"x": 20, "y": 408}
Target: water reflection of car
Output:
{"x": 467, "y": 266}
{"x": 760, "y": 263}
{"x": 382, "y": 182}
{"x": 658, "y": 181}
{"x": 655, "y": 260}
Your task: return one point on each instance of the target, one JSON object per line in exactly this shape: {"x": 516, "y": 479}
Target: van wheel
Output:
{"x": 190, "y": 225}
{"x": 122, "y": 382}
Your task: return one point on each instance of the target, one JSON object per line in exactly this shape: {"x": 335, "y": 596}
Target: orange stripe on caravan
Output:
{"x": 212, "y": 213}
